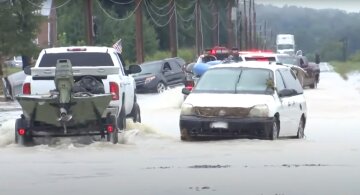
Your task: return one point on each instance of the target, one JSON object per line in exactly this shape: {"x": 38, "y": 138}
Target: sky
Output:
{"x": 347, "y": 5}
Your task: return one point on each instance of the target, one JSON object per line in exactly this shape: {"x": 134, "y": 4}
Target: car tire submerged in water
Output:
{"x": 160, "y": 87}
{"x": 273, "y": 130}
{"x": 135, "y": 113}
{"x": 301, "y": 128}
{"x": 185, "y": 135}
{"x": 23, "y": 140}
{"x": 113, "y": 136}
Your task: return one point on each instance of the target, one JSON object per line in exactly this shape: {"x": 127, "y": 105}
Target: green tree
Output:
{"x": 19, "y": 24}
{"x": 110, "y": 28}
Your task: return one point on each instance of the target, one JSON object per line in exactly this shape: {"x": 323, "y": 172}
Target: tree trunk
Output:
{"x": 1, "y": 66}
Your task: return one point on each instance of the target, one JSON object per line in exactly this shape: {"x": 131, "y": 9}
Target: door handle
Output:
{"x": 47, "y": 71}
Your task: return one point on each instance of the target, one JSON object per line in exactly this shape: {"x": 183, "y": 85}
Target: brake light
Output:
{"x": 213, "y": 52}
{"x": 110, "y": 128}
{"x": 26, "y": 89}
{"x": 21, "y": 131}
{"x": 189, "y": 85}
{"x": 114, "y": 90}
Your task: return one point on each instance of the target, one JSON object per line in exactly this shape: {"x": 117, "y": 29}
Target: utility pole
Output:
{"x": 245, "y": 28}
{"x": 197, "y": 28}
{"x": 172, "y": 29}
{"x": 254, "y": 25}
{"x": 215, "y": 22}
{"x": 89, "y": 22}
{"x": 240, "y": 28}
{"x": 230, "y": 29}
{"x": 139, "y": 33}
{"x": 250, "y": 27}
{"x": 265, "y": 41}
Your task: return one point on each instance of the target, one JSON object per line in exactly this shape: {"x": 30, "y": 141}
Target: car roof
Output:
{"x": 96, "y": 49}
{"x": 250, "y": 64}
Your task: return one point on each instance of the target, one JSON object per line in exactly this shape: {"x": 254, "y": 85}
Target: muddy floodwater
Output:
{"x": 151, "y": 159}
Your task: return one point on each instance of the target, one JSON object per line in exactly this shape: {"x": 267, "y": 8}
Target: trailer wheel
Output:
{"x": 25, "y": 138}
{"x": 112, "y": 136}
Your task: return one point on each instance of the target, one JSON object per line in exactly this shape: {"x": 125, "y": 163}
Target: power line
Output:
{"x": 120, "y": 3}
{"x": 119, "y": 19}
{"x": 158, "y": 14}
{"x": 41, "y": 7}
{"x": 161, "y": 8}
{"x": 206, "y": 23}
{"x": 192, "y": 16}
{"x": 153, "y": 19}
{"x": 185, "y": 8}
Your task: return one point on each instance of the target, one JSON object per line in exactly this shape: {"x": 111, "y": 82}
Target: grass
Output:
{"x": 343, "y": 68}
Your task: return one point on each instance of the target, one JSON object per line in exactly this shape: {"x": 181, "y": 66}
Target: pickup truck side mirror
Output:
{"x": 134, "y": 69}
{"x": 27, "y": 70}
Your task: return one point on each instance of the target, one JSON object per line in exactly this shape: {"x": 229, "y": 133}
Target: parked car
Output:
{"x": 157, "y": 76}
{"x": 252, "y": 99}
{"x": 12, "y": 84}
{"x": 15, "y": 61}
{"x": 312, "y": 76}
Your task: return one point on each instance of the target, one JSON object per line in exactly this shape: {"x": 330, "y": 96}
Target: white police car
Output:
{"x": 251, "y": 99}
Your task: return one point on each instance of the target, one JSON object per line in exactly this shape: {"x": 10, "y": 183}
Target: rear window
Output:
{"x": 77, "y": 59}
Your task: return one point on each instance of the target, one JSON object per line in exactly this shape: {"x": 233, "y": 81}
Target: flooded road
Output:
{"x": 153, "y": 160}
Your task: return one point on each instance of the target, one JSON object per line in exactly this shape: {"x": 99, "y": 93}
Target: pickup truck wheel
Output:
{"x": 23, "y": 140}
{"x": 160, "y": 87}
{"x": 135, "y": 113}
{"x": 113, "y": 136}
{"x": 121, "y": 120}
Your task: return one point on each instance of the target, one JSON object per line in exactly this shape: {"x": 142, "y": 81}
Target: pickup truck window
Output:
{"x": 77, "y": 59}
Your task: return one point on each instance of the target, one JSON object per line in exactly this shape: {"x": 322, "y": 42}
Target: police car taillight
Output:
{"x": 189, "y": 85}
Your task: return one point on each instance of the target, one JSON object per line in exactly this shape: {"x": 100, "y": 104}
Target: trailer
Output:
{"x": 65, "y": 112}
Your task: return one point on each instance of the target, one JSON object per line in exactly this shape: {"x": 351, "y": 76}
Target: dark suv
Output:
{"x": 312, "y": 76}
{"x": 156, "y": 76}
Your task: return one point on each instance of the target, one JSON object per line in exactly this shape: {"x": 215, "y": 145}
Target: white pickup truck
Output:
{"x": 103, "y": 65}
